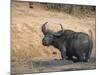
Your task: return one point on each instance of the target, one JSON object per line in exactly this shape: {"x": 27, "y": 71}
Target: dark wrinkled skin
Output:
{"x": 75, "y": 46}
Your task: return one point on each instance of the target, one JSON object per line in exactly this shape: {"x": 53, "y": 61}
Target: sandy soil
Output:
{"x": 27, "y": 35}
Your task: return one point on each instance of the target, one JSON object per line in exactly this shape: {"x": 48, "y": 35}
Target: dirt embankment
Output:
{"x": 27, "y": 35}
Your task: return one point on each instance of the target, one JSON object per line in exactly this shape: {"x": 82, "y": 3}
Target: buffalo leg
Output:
{"x": 63, "y": 53}
{"x": 82, "y": 57}
{"x": 72, "y": 59}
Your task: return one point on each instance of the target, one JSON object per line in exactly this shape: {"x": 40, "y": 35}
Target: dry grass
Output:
{"x": 27, "y": 35}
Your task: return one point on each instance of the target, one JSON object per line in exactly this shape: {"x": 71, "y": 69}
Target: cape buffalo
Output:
{"x": 76, "y": 46}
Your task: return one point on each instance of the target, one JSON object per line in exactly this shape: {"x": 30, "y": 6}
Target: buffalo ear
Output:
{"x": 44, "y": 30}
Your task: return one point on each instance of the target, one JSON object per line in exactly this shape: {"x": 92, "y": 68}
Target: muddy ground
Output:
{"x": 51, "y": 66}
{"x": 26, "y": 67}
{"x": 28, "y": 55}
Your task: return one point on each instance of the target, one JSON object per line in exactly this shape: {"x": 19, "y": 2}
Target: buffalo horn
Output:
{"x": 44, "y": 30}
